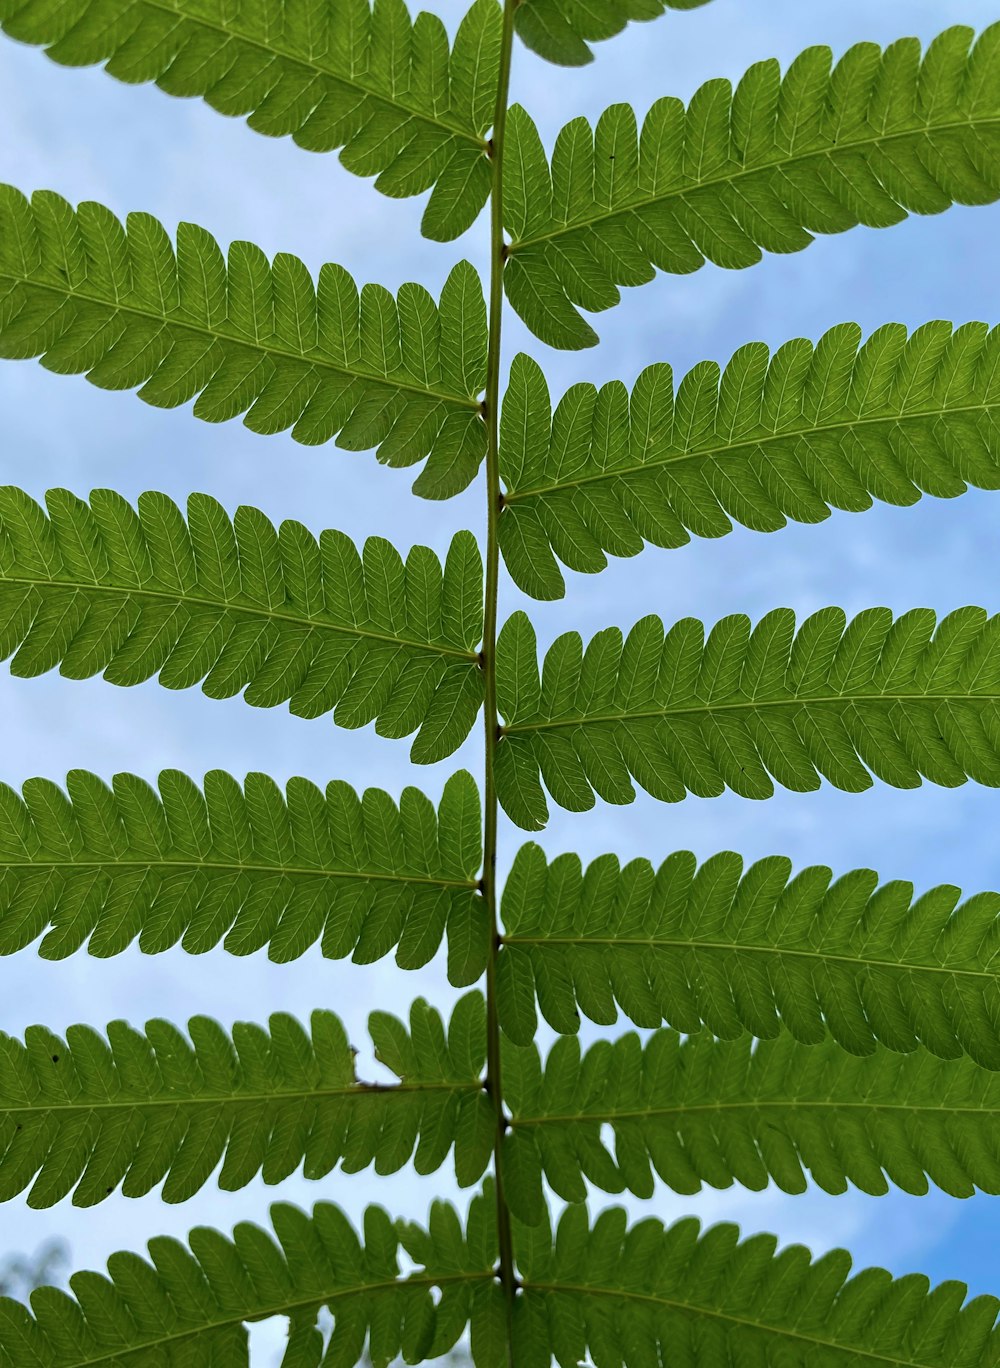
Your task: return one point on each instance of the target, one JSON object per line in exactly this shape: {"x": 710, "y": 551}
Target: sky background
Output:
{"x": 87, "y": 136}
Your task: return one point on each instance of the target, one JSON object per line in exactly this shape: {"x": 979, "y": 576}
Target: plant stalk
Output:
{"x": 498, "y": 254}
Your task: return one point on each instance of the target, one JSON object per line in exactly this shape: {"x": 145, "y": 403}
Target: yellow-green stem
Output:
{"x": 493, "y": 496}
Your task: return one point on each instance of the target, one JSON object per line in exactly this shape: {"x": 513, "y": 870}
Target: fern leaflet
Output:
{"x": 86, "y": 1114}
{"x": 561, "y": 30}
{"x": 359, "y": 76}
{"x": 766, "y": 167}
{"x": 710, "y": 1112}
{"x": 237, "y": 606}
{"x": 904, "y": 699}
{"x": 645, "y": 1295}
{"x": 188, "y": 1303}
{"x": 755, "y": 949}
{"x": 124, "y": 307}
{"x": 248, "y": 867}
{"x": 771, "y": 438}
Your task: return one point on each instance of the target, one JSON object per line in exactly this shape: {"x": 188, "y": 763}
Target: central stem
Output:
{"x": 494, "y": 503}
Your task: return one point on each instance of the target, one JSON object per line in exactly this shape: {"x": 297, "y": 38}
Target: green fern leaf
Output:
{"x": 709, "y": 1112}
{"x": 754, "y": 949}
{"x": 87, "y": 1114}
{"x": 641, "y": 1296}
{"x": 123, "y": 306}
{"x": 248, "y": 867}
{"x": 362, "y": 77}
{"x": 189, "y": 1303}
{"x": 770, "y": 439}
{"x": 905, "y": 699}
{"x": 765, "y": 168}
{"x": 239, "y": 606}
{"x": 560, "y": 30}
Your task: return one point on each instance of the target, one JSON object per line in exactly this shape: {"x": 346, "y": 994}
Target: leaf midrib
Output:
{"x": 692, "y": 1308}
{"x": 283, "y": 1307}
{"x": 233, "y": 1099}
{"x": 737, "y": 947}
{"x": 769, "y": 1104}
{"x": 828, "y": 153}
{"x": 362, "y": 1089}
{"x": 234, "y": 867}
{"x": 797, "y": 701}
{"x": 226, "y": 605}
{"x": 734, "y": 446}
{"x": 269, "y": 348}
{"x": 233, "y": 34}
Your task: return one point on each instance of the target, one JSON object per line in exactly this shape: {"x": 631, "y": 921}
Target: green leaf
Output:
{"x": 701, "y": 1111}
{"x": 522, "y": 1173}
{"x": 650, "y": 1294}
{"x": 824, "y": 148}
{"x": 126, "y": 308}
{"x": 903, "y": 699}
{"x": 771, "y": 439}
{"x": 365, "y": 78}
{"x": 560, "y": 30}
{"x": 248, "y": 867}
{"x": 240, "y": 606}
{"x": 755, "y": 949}
{"x": 189, "y": 1303}
{"x": 488, "y": 1327}
{"x": 88, "y": 1113}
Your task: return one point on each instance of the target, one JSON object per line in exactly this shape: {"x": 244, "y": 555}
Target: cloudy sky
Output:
{"x": 88, "y": 137}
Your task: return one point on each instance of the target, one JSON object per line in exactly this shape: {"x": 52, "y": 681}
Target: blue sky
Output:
{"x": 89, "y": 137}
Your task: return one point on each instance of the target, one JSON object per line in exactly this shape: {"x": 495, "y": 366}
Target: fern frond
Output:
{"x": 86, "y": 1114}
{"x": 189, "y": 1303}
{"x": 123, "y": 306}
{"x": 765, "y": 168}
{"x": 710, "y": 1112}
{"x": 755, "y": 949}
{"x": 649, "y": 1294}
{"x": 249, "y": 868}
{"x": 560, "y": 30}
{"x": 772, "y": 438}
{"x": 354, "y": 75}
{"x": 905, "y": 699}
{"x": 236, "y": 605}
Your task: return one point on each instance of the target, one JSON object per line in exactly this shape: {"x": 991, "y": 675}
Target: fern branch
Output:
{"x": 765, "y": 168}
{"x": 770, "y": 439}
{"x": 190, "y": 1302}
{"x": 248, "y": 867}
{"x": 705, "y": 1111}
{"x": 364, "y": 78}
{"x": 560, "y": 30}
{"x": 754, "y": 949}
{"x": 503, "y": 1351}
{"x": 126, "y": 308}
{"x": 86, "y": 1114}
{"x": 237, "y": 606}
{"x": 904, "y": 699}
{"x": 629, "y": 1296}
